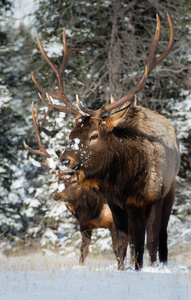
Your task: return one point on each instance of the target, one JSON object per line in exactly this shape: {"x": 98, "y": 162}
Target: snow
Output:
{"x": 6, "y": 95}
{"x": 61, "y": 187}
{"x": 13, "y": 197}
{"x": 52, "y": 163}
{"x": 63, "y": 168}
{"x": 182, "y": 111}
{"x": 34, "y": 230}
{"x": 51, "y": 276}
{"x": 32, "y": 202}
{"x": 29, "y": 213}
{"x": 53, "y": 49}
{"x": 75, "y": 145}
{"x": 48, "y": 237}
{"x": 35, "y": 162}
{"x": 24, "y": 14}
{"x": 56, "y": 211}
{"x": 18, "y": 183}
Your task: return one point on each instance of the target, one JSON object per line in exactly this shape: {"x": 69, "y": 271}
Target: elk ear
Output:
{"x": 116, "y": 118}
{"x": 80, "y": 176}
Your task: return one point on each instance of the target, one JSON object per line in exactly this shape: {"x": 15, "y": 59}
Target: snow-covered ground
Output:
{"x": 55, "y": 277}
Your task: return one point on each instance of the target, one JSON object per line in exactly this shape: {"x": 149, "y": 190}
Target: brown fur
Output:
{"x": 88, "y": 206}
{"x": 133, "y": 156}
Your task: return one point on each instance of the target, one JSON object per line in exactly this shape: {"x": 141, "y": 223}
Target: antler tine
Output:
{"x": 67, "y": 52}
{"x": 168, "y": 48}
{"x": 40, "y": 124}
{"x": 37, "y": 163}
{"x": 150, "y": 65}
{"x": 55, "y": 106}
{"x": 44, "y": 118}
{"x": 60, "y": 95}
{"x": 135, "y": 101}
{"x": 41, "y": 151}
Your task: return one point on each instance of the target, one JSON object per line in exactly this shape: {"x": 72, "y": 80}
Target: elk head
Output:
{"x": 67, "y": 184}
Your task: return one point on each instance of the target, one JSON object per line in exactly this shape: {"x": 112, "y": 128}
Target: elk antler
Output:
{"x": 152, "y": 62}
{"x": 60, "y": 95}
{"x": 38, "y": 128}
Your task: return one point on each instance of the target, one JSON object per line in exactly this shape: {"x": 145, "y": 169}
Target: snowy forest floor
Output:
{"x": 52, "y": 276}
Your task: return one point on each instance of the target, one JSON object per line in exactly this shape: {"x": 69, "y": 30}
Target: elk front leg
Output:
{"x": 86, "y": 239}
{"x": 153, "y": 227}
{"x": 122, "y": 241}
{"x": 131, "y": 245}
{"x": 137, "y": 224}
{"x": 114, "y": 239}
{"x": 120, "y": 218}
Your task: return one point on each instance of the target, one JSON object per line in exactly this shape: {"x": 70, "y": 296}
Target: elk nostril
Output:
{"x": 57, "y": 197}
{"x": 65, "y": 162}
{"x": 57, "y": 167}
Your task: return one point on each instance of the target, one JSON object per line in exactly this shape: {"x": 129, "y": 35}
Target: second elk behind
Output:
{"x": 89, "y": 207}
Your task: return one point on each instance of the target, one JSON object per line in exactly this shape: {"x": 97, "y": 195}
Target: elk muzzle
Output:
{"x": 68, "y": 162}
{"x": 56, "y": 197}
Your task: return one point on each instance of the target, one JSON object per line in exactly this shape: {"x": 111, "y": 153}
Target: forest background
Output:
{"x": 118, "y": 36}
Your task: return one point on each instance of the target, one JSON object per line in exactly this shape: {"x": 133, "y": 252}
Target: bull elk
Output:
{"x": 88, "y": 205}
{"x": 132, "y": 155}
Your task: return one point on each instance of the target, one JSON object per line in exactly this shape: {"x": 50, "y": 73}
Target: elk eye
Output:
{"x": 94, "y": 136}
{"x": 75, "y": 168}
{"x": 74, "y": 181}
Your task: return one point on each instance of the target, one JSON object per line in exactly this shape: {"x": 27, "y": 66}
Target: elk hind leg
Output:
{"x": 166, "y": 211}
{"x": 120, "y": 219}
{"x": 153, "y": 227}
{"x": 86, "y": 239}
{"x": 131, "y": 245}
{"x": 114, "y": 239}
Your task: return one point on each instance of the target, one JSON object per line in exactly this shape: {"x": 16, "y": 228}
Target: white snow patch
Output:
{"x": 32, "y": 202}
{"x": 35, "y": 162}
{"x": 5, "y": 95}
{"x": 76, "y": 282}
{"x": 52, "y": 49}
{"x": 182, "y": 111}
{"x": 29, "y": 213}
{"x": 13, "y": 198}
{"x": 48, "y": 237}
{"x": 52, "y": 163}
{"x": 57, "y": 211}
{"x": 18, "y": 183}
{"x": 75, "y": 145}
{"x": 23, "y": 13}
{"x": 34, "y": 230}
{"x": 35, "y": 203}
{"x": 63, "y": 168}
{"x": 61, "y": 187}
{"x": 2, "y": 170}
